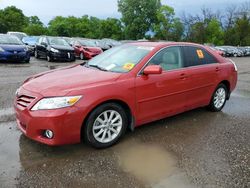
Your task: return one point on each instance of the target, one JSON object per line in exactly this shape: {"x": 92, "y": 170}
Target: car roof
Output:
{"x": 160, "y": 44}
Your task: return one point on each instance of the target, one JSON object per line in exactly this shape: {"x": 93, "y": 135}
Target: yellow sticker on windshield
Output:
{"x": 200, "y": 54}
{"x": 128, "y": 66}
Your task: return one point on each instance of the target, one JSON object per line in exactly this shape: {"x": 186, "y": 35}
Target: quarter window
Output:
{"x": 195, "y": 56}
{"x": 169, "y": 58}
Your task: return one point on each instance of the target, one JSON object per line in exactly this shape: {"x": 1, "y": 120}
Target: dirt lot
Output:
{"x": 194, "y": 149}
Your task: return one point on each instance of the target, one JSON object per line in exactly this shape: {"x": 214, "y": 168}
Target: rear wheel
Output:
{"x": 105, "y": 125}
{"x": 36, "y": 54}
{"x": 219, "y": 98}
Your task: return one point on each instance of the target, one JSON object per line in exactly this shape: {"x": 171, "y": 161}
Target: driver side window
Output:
{"x": 169, "y": 58}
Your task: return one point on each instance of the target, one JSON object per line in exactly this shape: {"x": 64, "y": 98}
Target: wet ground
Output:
{"x": 193, "y": 149}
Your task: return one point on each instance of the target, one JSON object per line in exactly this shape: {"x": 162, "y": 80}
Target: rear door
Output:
{"x": 203, "y": 70}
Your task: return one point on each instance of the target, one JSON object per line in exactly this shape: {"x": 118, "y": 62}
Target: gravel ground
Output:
{"x": 193, "y": 149}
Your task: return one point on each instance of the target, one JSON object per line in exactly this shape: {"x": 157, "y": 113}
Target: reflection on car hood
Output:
{"x": 60, "y": 82}
{"x": 60, "y": 47}
{"x": 12, "y": 47}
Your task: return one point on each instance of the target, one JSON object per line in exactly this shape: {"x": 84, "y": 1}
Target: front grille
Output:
{"x": 24, "y": 100}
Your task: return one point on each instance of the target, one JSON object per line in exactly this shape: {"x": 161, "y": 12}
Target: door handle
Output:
{"x": 183, "y": 76}
{"x": 217, "y": 69}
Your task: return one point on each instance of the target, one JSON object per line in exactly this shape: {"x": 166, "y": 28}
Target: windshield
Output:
{"x": 8, "y": 39}
{"x": 88, "y": 43}
{"x": 30, "y": 40}
{"x": 120, "y": 59}
{"x": 57, "y": 41}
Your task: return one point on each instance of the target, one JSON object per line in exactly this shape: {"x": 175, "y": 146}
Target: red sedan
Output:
{"x": 85, "y": 49}
{"x": 121, "y": 89}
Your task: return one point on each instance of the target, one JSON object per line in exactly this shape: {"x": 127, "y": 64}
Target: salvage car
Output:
{"x": 54, "y": 48}
{"x": 12, "y": 49}
{"x": 85, "y": 49}
{"x": 120, "y": 89}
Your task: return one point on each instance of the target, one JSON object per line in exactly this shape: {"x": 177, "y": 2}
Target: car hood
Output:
{"x": 12, "y": 47}
{"x": 62, "y": 81}
{"x": 59, "y": 47}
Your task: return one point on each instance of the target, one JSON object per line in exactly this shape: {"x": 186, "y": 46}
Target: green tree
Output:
{"x": 12, "y": 19}
{"x": 111, "y": 28}
{"x": 34, "y": 20}
{"x": 35, "y": 30}
{"x": 214, "y": 33}
{"x": 138, "y": 16}
{"x": 168, "y": 27}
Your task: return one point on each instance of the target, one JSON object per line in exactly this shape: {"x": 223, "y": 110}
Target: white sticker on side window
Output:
{"x": 110, "y": 66}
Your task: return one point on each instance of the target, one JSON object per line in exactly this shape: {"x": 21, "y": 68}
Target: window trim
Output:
{"x": 202, "y": 48}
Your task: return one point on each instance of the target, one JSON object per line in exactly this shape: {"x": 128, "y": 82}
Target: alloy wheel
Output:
{"x": 107, "y": 126}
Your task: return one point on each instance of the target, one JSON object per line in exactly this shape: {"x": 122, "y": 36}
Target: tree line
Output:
{"x": 142, "y": 19}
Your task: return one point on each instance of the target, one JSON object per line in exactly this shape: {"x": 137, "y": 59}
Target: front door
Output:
{"x": 162, "y": 95}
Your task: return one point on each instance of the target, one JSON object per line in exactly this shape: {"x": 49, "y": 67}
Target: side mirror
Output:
{"x": 152, "y": 69}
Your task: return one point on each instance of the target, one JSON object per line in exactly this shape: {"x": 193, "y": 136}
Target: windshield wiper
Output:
{"x": 96, "y": 66}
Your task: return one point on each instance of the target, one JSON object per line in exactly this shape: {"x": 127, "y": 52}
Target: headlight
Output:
{"x": 1, "y": 49}
{"x": 54, "y": 50}
{"x": 26, "y": 49}
{"x": 55, "y": 103}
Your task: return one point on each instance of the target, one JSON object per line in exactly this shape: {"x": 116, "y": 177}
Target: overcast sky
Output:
{"x": 47, "y": 9}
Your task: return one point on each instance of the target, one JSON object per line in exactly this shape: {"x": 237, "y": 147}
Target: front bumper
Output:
{"x": 11, "y": 56}
{"x": 63, "y": 56}
{"x": 90, "y": 55}
{"x": 65, "y": 123}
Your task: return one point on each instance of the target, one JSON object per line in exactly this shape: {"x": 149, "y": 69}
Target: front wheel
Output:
{"x": 49, "y": 58}
{"x": 105, "y": 125}
{"x": 36, "y": 54}
{"x": 82, "y": 56}
{"x": 219, "y": 98}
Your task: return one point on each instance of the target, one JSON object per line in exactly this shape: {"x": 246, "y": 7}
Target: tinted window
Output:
{"x": 169, "y": 58}
{"x": 197, "y": 56}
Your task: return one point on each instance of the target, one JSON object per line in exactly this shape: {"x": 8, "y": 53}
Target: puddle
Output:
{"x": 151, "y": 164}
{"x": 9, "y": 154}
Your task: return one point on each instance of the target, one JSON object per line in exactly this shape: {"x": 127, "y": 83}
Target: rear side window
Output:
{"x": 195, "y": 56}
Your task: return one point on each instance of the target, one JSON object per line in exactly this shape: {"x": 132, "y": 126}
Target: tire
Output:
{"x": 27, "y": 61}
{"x": 219, "y": 98}
{"x": 36, "y": 54}
{"x": 99, "y": 131}
{"x": 82, "y": 56}
{"x": 49, "y": 58}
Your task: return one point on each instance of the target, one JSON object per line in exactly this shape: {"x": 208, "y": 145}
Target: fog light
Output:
{"x": 49, "y": 134}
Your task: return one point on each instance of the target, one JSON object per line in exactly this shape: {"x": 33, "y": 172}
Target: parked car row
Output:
{"x": 51, "y": 48}
{"x": 231, "y": 51}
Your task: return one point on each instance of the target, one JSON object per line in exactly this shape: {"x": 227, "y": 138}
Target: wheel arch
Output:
{"x": 227, "y": 84}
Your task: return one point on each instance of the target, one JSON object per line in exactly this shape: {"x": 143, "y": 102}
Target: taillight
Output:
{"x": 235, "y": 66}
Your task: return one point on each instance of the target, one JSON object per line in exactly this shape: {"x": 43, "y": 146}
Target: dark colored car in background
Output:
{"x": 54, "y": 48}
{"x": 85, "y": 49}
{"x": 30, "y": 42}
{"x": 12, "y": 49}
